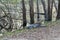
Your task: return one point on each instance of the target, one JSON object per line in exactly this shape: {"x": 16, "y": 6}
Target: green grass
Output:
{"x": 12, "y": 33}
{"x": 50, "y": 23}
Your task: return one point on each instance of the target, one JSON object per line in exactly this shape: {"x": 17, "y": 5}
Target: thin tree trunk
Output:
{"x": 49, "y": 11}
{"x": 55, "y": 6}
{"x": 37, "y": 11}
{"x": 24, "y": 14}
{"x": 52, "y": 1}
{"x": 31, "y": 11}
{"x": 44, "y": 7}
{"x": 58, "y": 15}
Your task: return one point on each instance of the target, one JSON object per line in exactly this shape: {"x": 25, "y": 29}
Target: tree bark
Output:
{"x": 37, "y": 11}
{"x": 49, "y": 11}
{"x": 31, "y": 11}
{"x": 24, "y": 14}
{"x": 44, "y": 7}
{"x": 58, "y": 15}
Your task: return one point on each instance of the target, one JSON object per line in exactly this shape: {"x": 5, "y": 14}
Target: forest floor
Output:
{"x": 43, "y": 33}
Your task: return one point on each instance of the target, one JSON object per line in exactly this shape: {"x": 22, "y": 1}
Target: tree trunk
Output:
{"x": 49, "y": 11}
{"x": 52, "y": 1}
{"x": 37, "y": 11}
{"x": 44, "y": 7}
{"x": 31, "y": 11}
{"x": 24, "y": 14}
{"x": 58, "y": 15}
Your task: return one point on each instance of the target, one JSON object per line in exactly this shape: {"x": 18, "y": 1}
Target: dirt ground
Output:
{"x": 44, "y": 33}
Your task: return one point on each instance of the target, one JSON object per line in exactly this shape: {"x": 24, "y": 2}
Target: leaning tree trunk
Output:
{"x": 24, "y": 14}
{"x": 31, "y": 11}
{"x": 55, "y": 6}
{"x": 58, "y": 15}
{"x": 49, "y": 11}
{"x": 44, "y": 7}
